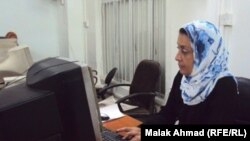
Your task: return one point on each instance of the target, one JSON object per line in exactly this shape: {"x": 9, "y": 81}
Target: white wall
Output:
{"x": 239, "y": 40}
{"x": 76, "y": 36}
{"x": 40, "y": 24}
{"x": 49, "y": 27}
{"x": 93, "y": 34}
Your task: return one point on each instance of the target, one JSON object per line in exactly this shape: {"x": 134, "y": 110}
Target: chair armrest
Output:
{"x": 95, "y": 79}
{"x": 94, "y": 71}
{"x": 131, "y": 96}
{"x": 104, "y": 90}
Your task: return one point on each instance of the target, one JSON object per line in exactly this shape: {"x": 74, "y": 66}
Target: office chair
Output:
{"x": 142, "y": 90}
{"x": 243, "y": 117}
{"x": 100, "y": 89}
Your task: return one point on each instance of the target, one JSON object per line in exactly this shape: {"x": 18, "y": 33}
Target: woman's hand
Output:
{"x": 131, "y": 133}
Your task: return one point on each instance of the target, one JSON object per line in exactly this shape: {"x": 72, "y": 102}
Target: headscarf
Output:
{"x": 210, "y": 61}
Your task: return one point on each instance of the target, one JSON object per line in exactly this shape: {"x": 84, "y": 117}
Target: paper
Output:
{"x": 112, "y": 111}
{"x": 107, "y": 101}
{"x": 11, "y": 81}
{"x": 110, "y": 108}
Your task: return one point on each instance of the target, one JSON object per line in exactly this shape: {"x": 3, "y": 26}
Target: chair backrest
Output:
{"x": 145, "y": 79}
{"x": 244, "y": 100}
{"x": 110, "y": 76}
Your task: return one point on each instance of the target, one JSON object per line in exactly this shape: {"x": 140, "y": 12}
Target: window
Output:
{"x": 133, "y": 30}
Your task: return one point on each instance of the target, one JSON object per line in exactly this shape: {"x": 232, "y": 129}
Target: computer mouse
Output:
{"x": 104, "y": 117}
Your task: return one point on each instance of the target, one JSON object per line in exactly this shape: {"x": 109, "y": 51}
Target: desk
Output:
{"x": 125, "y": 121}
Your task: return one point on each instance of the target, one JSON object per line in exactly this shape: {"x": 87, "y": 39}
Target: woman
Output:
{"x": 203, "y": 91}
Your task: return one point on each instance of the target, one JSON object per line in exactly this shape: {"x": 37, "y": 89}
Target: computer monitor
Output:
{"x": 5, "y": 45}
{"x": 76, "y": 114}
{"x": 18, "y": 59}
{"x": 14, "y": 61}
{"x": 28, "y": 114}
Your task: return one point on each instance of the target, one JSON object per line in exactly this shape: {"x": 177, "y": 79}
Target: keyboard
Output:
{"x": 108, "y": 135}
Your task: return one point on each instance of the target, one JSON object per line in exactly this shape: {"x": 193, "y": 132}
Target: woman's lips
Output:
{"x": 181, "y": 66}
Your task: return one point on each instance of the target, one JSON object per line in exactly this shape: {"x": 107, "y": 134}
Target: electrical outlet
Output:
{"x": 226, "y": 19}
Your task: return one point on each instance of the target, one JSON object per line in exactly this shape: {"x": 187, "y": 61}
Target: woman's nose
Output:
{"x": 178, "y": 56}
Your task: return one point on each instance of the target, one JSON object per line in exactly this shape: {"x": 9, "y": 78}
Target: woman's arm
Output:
{"x": 168, "y": 113}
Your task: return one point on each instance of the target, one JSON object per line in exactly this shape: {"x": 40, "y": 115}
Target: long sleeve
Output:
{"x": 220, "y": 107}
{"x": 169, "y": 112}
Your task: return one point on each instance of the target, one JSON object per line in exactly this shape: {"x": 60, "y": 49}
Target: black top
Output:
{"x": 220, "y": 107}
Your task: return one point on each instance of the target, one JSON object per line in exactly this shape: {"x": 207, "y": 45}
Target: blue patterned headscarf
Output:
{"x": 210, "y": 61}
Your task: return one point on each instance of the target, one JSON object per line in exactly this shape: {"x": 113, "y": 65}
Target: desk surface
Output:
{"x": 125, "y": 121}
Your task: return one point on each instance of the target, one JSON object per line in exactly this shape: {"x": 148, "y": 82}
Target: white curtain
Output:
{"x": 133, "y": 30}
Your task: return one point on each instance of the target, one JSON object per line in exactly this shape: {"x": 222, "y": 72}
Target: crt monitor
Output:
{"x": 72, "y": 87}
{"x": 5, "y": 45}
{"x": 14, "y": 61}
{"x": 18, "y": 59}
{"x": 28, "y": 114}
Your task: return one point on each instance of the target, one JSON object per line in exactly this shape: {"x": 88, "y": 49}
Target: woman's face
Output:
{"x": 184, "y": 56}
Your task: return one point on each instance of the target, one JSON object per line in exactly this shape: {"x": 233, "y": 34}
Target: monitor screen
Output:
{"x": 71, "y": 84}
